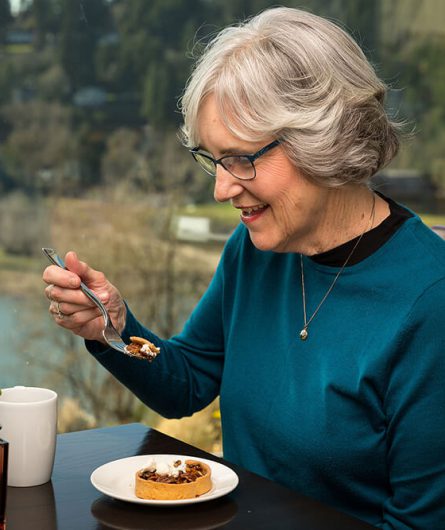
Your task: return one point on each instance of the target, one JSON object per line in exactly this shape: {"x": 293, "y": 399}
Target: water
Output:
{"x": 30, "y": 344}
{"x": 36, "y": 352}
{"x": 12, "y": 368}
{"x": 17, "y": 358}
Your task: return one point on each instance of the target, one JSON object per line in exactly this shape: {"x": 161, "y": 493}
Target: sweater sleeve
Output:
{"x": 415, "y": 407}
{"x": 186, "y": 375}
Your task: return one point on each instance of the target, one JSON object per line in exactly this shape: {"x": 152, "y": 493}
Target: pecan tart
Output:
{"x": 142, "y": 348}
{"x": 173, "y": 481}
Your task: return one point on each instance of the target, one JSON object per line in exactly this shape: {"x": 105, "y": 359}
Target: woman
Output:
{"x": 322, "y": 329}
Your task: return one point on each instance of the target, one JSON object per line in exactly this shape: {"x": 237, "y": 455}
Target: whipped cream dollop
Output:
{"x": 166, "y": 467}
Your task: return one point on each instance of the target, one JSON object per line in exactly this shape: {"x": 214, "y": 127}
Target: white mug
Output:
{"x": 28, "y": 421}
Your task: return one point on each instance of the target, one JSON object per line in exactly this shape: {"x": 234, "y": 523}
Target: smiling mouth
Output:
{"x": 255, "y": 210}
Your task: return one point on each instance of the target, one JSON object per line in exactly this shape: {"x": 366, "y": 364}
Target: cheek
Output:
{"x": 288, "y": 210}
{"x": 288, "y": 192}
{"x": 296, "y": 208}
{"x": 289, "y": 187}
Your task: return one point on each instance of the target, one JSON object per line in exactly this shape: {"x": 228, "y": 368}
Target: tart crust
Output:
{"x": 151, "y": 489}
{"x": 142, "y": 348}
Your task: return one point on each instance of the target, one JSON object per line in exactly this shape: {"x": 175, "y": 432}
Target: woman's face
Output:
{"x": 281, "y": 209}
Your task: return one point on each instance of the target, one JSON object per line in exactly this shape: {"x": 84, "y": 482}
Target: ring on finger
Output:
{"x": 49, "y": 290}
{"x": 58, "y": 312}
{"x": 55, "y": 309}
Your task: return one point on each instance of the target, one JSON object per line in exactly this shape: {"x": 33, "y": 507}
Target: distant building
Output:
{"x": 19, "y": 36}
{"x": 196, "y": 229}
{"x": 90, "y": 96}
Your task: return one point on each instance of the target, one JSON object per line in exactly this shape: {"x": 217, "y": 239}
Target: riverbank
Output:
{"x": 20, "y": 284}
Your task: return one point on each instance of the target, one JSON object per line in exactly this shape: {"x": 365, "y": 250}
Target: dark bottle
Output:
{"x": 3, "y": 482}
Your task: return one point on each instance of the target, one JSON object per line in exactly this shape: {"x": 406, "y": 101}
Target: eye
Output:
{"x": 241, "y": 162}
{"x": 244, "y": 162}
{"x": 230, "y": 162}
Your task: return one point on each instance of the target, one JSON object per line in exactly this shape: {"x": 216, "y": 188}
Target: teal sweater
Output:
{"x": 354, "y": 416}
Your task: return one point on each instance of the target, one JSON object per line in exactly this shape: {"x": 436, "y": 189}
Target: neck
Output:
{"x": 348, "y": 214}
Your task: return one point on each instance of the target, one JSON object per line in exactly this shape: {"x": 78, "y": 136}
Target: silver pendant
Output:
{"x": 303, "y": 334}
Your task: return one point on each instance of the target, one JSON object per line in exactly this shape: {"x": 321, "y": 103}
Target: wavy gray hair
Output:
{"x": 292, "y": 75}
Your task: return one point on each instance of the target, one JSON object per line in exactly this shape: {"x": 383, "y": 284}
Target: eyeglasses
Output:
{"x": 240, "y": 166}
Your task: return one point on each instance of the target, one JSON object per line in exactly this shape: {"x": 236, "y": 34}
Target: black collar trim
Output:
{"x": 371, "y": 241}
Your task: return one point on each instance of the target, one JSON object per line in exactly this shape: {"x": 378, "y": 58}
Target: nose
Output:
{"x": 226, "y": 185}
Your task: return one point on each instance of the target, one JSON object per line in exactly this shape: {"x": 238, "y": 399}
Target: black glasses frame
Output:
{"x": 196, "y": 152}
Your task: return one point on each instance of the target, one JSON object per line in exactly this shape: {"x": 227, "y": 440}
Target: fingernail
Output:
{"x": 103, "y": 297}
{"x": 74, "y": 282}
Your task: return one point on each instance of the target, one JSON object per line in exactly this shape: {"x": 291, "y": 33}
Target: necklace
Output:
{"x": 304, "y": 332}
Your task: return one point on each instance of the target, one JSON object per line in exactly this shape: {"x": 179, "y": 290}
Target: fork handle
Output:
{"x": 54, "y": 258}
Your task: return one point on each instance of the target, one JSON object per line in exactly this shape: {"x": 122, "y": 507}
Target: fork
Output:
{"x": 109, "y": 332}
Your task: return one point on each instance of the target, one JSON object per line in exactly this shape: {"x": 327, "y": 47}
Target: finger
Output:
{"x": 69, "y": 309}
{"x": 94, "y": 279}
{"x": 78, "y": 320}
{"x": 88, "y": 275}
{"x": 87, "y": 316}
{"x": 54, "y": 309}
{"x": 65, "y": 283}
{"x": 94, "y": 331}
{"x": 58, "y": 276}
{"x": 48, "y": 291}
{"x": 72, "y": 297}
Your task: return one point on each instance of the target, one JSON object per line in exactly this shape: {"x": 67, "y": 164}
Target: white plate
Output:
{"x": 117, "y": 479}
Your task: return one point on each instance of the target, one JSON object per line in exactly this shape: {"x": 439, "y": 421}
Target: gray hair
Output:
{"x": 292, "y": 75}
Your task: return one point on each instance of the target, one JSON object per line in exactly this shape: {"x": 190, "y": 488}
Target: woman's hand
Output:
{"x": 72, "y": 309}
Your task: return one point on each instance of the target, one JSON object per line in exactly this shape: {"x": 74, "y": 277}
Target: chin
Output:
{"x": 266, "y": 244}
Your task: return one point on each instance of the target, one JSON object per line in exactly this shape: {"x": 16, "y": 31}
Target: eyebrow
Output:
{"x": 227, "y": 151}
{"x": 234, "y": 151}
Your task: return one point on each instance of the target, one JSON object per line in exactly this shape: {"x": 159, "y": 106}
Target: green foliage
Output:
{"x": 157, "y": 97}
{"x": 23, "y": 224}
{"x": 138, "y": 52}
{"x": 81, "y": 25}
{"x": 5, "y": 14}
{"x": 152, "y": 57}
{"x": 6, "y": 81}
{"x": 124, "y": 159}
{"x": 421, "y": 72}
{"x": 361, "y": 18}
{"x": 47, "y": 18}
{"x": 39, "y": 146}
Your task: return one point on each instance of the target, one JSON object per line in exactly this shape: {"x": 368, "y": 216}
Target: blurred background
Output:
{"x": 90, "y": 160}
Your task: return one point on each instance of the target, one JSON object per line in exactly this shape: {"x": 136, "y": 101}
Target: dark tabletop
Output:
{"x": 70, "y": 502}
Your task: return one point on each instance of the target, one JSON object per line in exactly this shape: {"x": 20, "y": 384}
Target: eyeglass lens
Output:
{"x": 206, "y": 163}
{"x": 239, "y": 166}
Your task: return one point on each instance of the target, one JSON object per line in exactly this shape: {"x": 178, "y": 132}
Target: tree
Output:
{"x": 152, "y": 55}
{"x": 47, "y": 18}
{"x": 81, "y": 25}
{"x": 360, "y": 18}
{"x": 123, "y": 159}
{"x": 5, "y": 18}
{"x": 42, "y": 131}
{"x": 158, "y": 101}
{"x": 6, "y": 81}
{"x": 232, "y": 11}
{"x": 24, "y": 224}
{"x": 422, "y": 75}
